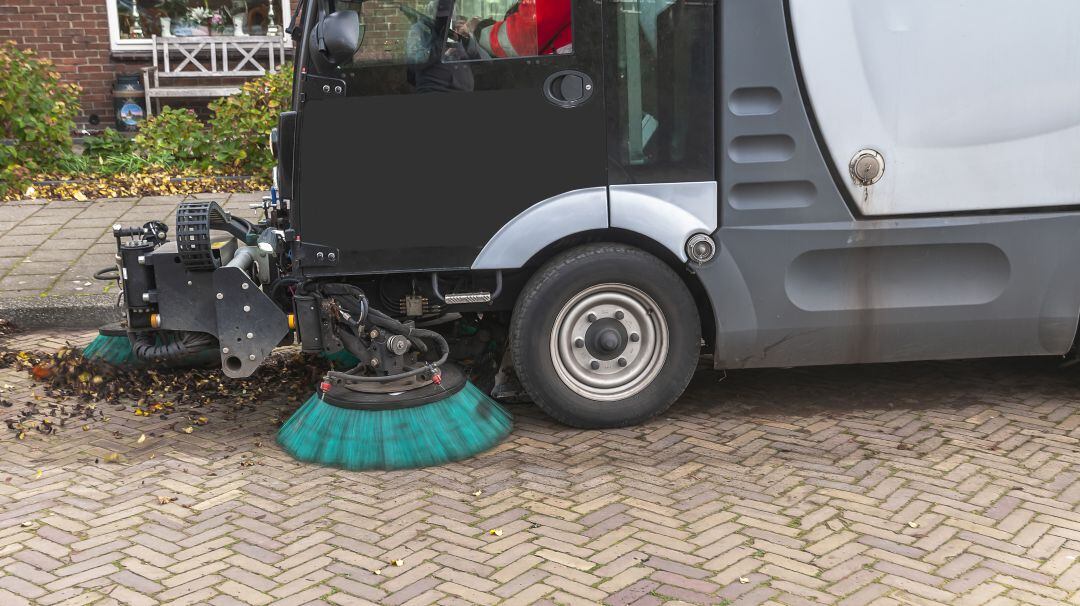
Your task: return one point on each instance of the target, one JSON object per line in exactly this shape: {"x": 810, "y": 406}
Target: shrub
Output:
{"x": 109, "y": 143}
{"x": 37, "y": 115}
{"x": 241, "y": 124}
{"x": 174, "y": 137}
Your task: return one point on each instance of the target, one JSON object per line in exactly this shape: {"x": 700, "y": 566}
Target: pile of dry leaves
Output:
{"x": 123, "y": 185}
{"x": 76, "y": 391}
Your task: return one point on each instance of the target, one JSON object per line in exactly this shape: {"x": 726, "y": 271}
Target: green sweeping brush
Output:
{"x": 428, "y": 426}
{"x": 111, "y": 346}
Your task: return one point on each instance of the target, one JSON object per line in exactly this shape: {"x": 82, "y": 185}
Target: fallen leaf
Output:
{"x": 166, "y": 500}
{"x": 27, "y": 524}
{"x": 78, "y": 195}
{"x": 497, "y": 532}
{"x": 142, "y": 438}
{"x": 39, "y": 474}
{"x": 478, "y": 493}
{"x": 398, "y": 562}
{"x": 744, "y": 580}
{"x": 913, "y": 524}
{"x": 379, "y": 571}
{"x": 114, "y": 457}
{"x": 188, "y": 429}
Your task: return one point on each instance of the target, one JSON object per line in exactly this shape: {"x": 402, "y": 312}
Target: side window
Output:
{"x": 497, "y": 29}
{"x": 395, "y": 33}
{"x": 661, "y": 74}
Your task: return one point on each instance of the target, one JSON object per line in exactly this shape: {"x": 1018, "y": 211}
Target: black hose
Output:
{"x": 146, "y": 345}
{"x": 104, "y": 274}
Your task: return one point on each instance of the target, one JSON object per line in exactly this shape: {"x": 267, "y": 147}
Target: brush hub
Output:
{"x": 398, "y": 394}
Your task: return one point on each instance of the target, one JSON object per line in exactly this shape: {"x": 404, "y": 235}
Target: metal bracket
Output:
{"x": 320, "y": 87}
{"x": 316, "y": 255}
{"x": 249, "y": 324}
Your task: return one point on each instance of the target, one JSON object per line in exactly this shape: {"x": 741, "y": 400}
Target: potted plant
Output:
{"x": 196, "y": 22}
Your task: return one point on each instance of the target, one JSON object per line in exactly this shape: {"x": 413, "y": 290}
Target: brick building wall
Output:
{"x": 74, "y": 34}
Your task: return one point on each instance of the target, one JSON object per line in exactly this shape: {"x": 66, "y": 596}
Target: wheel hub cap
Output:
{"x": 609, "y": 342}
{"x": 606, "y": 339}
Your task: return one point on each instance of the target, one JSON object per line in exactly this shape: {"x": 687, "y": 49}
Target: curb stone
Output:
{"x": 70, "y": 311}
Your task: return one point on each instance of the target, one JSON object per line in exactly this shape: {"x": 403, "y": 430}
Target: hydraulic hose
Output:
{"x": 147, "y": 347}
{"x": 109, "y": 274}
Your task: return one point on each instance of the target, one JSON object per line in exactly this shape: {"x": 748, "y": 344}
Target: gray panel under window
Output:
{"x": 661, "y": 88}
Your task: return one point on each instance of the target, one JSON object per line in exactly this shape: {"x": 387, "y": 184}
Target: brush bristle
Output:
{"x": 342, "y": 359}
{"x": 464, "y": 424}
{"x": 115, "y": 350}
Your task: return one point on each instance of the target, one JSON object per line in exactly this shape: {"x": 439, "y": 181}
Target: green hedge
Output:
{"x": 37, "y": 115}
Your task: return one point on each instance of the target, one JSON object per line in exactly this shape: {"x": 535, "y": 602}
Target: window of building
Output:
{"x": 133, "y": 22}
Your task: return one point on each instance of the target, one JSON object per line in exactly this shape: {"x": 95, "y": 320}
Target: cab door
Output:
{"x": 452, "y": 118}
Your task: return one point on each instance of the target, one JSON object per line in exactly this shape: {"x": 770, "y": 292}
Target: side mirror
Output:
{"x": 337, "y": 37}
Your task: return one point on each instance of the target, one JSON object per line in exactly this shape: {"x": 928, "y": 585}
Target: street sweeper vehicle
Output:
{"x": 585, "y": 196}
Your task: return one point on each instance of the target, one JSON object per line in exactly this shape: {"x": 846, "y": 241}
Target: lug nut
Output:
{"x": 622, "y": 361}
{"x": 634, "y": 337}
{"x": 220, "y": 296}
{"x": 224, "y": 350}
{"x": 244, "y": 286}
{"x": 619, "y": 315}
{"x": 251, "y": 335}
{"x": 247, "y": 308}
{"x": 594, "y": 365}
{"x": 579, "y": 343}
{"x": 251, "y": 357}
{"x": 591, "y": 317}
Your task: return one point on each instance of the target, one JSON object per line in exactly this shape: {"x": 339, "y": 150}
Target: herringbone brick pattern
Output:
{"x": 903, "y": 484}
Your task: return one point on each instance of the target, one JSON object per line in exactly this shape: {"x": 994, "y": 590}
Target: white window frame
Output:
{"x": 116, "y": 43}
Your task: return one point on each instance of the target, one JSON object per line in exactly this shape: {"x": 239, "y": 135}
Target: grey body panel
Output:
{"x": 877, "y": 291}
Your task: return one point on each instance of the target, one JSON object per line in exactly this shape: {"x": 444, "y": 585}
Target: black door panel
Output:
{"x": 417, "y": 167}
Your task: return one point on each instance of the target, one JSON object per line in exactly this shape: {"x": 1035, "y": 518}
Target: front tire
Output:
{"x": 605, "y": 335}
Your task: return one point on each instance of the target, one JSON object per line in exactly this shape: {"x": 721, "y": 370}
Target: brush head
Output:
{"x": 464, "y": 423}
{"x": 111, "y": 349}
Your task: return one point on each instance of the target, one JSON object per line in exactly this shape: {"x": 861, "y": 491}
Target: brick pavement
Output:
{"x": 54, "y": 248}
{"x": 921, "y": 483}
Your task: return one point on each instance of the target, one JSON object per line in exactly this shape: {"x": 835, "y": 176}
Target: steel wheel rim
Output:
{"x": 642, "y": 354}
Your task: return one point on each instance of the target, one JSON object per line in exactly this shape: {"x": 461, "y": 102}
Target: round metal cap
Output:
{"x": 700, "y": 248}
{"x": 866, "y": 166}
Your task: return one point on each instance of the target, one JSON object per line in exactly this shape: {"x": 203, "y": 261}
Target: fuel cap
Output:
{"x": 866, "y": 167}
